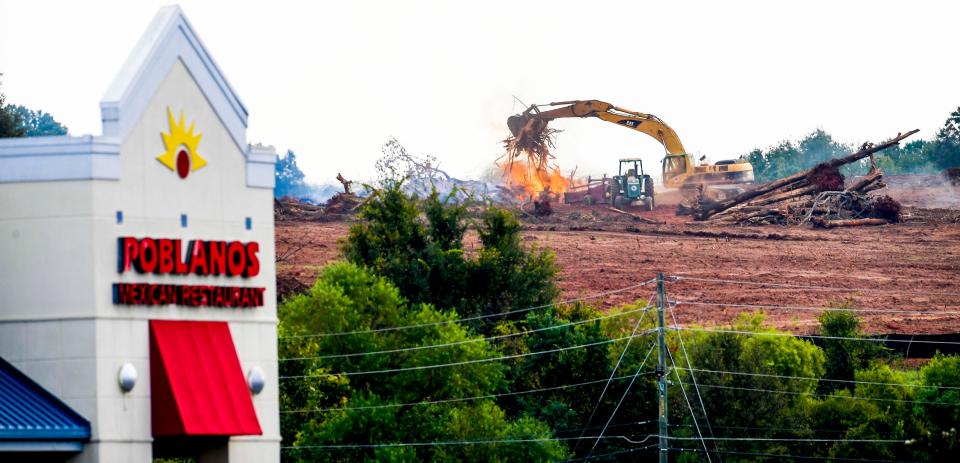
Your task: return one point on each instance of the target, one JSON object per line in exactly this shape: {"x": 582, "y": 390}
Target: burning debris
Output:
{"x": 815, "y": 196}
{"x": 527, "y": 164}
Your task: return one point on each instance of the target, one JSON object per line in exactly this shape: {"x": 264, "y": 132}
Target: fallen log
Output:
{"x": 865, "y": 151}
{"x": 867, "y": 180}
{"x": 635, "y": 216}
{"x": 823, "y": 223}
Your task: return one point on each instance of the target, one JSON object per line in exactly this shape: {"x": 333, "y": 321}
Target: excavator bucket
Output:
{"x": 516, "y": 123}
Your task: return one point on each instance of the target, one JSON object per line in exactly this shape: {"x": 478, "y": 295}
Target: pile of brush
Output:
{"x": 531, "y": 143}
{"x": 816, "y": 196}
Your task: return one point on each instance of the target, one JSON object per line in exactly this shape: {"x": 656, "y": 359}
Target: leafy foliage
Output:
{"x": 10, "y": 122}
{"x": 37, "y": 123}
{"x": 844, "y": 356}
{"x": 338, "y": 409}
{"x": 915, "y": 157}
{"x": 289, "y": 177}
{"x": 418, "y": 244}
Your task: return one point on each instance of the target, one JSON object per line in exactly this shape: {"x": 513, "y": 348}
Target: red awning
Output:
{"x": 197, "y": 387}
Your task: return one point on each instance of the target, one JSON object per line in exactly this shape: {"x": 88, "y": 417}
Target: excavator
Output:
{"x": 717, "y": 181}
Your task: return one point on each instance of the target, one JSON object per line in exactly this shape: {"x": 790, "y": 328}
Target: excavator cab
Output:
{"x": 631, "y": 184}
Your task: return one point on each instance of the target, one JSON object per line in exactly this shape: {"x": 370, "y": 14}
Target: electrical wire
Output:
{"x": 809, "y": 378}
{"x": 478, "y": 317}
{"x": 612, "y": 374}
{"x": 469, "y": 341}
{"x": 618, "y": 452}
{"x": 460, "y": 442}
{"x": 465, "y": 362}
{"x": 836, "y": 396}
{"x": 823, "y": 309}
{"x": 678, "y": 278}
{"x": 625, "y": 392}
{"x": 693, "y": 415}
{"x": 793, "y": 439}
{"x": 459, "y": 399}
{"x": 693, "y": 377}
{"x": 802, "y": 457}
{"x": 814, "y": 336}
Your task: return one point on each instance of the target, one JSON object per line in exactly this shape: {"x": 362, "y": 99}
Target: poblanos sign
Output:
{"x": 165, "y": 256}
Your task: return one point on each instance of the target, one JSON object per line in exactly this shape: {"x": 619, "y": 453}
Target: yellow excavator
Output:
{"x": 679, "y": 170}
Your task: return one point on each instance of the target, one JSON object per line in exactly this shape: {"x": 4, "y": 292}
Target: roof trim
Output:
{"x": 169, "y": 38}
{"x": 30, "y": 413}
{"x": 37, "y": 159}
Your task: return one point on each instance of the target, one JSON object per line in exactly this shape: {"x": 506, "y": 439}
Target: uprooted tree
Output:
{"x": 815, "y": 195}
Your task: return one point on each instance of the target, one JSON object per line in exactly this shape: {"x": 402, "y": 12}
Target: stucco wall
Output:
{"x": 58, "y": 261}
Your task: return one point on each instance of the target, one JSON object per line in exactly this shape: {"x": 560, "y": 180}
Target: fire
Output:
{"x": 529, "y": 181}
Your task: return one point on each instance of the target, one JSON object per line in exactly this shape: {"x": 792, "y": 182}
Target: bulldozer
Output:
{"x": 716, "y": 181}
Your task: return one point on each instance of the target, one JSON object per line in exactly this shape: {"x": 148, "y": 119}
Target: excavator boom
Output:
{"x": 679, "y": 169}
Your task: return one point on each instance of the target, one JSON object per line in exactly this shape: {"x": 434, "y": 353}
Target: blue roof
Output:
{"x": 29, "y": 413}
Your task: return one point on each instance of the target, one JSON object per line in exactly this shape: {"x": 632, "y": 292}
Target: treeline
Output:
{"x": 424, "y": 345}
{"x": 916, "y": 157}
{"x": 19, "y": 121}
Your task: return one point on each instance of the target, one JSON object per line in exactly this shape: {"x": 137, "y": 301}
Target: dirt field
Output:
{"x": 912, "y": 266}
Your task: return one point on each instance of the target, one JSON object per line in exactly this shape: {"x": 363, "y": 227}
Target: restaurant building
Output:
{"x": 138, "y": 313}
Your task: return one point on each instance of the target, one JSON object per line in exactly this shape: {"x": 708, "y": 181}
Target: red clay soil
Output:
{"x": 911, "y": 266}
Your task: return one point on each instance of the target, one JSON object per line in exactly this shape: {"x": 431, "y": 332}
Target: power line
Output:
{"x": 693, "y": 415}
{"x": 810, "y": 378}
{"x": 478, "y": 317}
{"x": 678, "y": 278}
{"x": 792, "y": 439}
{"x": 816, "y": 336}
{"x": 460, "y": 442}
{"x": 459, "y": 399}
{"x": 625, "y": 392}
{"x": 824, "y": 309}
{"x": 802, "y": 457}
{"x": 693, "y": 377}
{"x": 774, "y": 428}
{"x": 618, "y": 452}
{"x": 469, "y": 341}
{"x": 612, "y": 374}
{"x": 837, "y": 396}
{"x": 465, "y": 362}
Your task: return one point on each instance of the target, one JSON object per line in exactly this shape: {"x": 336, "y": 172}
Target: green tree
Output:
{"x": 326, "y": 407}
{"x": 938, "y": 414}
{"x": 844, "y": 356}
{"x": 418, "y": 245}
{"x": 37, "y": 123}
{"x": 946, "y": 151}
{"x": 876, "y": 409}
{"x": 289, "y": 177}
{"x": 759, "y": 402}
{"x": 10, "y": 123}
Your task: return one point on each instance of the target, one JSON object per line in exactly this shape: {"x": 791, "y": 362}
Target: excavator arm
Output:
{"x": 679, "y": 170}
{"x": 646, "y": 123}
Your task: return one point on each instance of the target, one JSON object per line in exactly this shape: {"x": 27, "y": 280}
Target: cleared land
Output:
{"x": 911, "y": 266}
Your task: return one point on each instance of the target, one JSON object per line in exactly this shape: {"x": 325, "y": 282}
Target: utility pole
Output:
{"x": 662, "y": 368}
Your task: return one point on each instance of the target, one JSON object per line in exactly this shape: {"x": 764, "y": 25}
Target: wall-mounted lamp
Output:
{"x": 127, "y": 377}
{"x": 255, "y": 380}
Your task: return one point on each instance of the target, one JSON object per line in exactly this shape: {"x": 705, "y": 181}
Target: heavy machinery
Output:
{"x": 724, "y": 178}
{"x": 631, "y": 184}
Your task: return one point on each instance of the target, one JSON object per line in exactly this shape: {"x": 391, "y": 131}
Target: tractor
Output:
{"x": 631, "y": 185}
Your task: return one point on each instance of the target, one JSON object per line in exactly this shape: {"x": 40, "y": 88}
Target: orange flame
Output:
{"x": 527, "y": 180}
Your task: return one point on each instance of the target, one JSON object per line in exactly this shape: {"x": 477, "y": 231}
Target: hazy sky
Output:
{"x": 333, "y": 80}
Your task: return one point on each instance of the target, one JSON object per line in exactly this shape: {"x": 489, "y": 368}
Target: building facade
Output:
{"x": 137, "y": 267}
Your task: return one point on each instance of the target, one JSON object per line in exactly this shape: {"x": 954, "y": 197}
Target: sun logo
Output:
{"x": 181, "y": 144}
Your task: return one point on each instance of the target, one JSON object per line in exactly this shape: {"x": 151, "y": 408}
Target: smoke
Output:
{"x": 924, "y": 191}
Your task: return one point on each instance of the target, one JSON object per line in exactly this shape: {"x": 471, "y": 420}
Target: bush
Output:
{"x": 361, "y": 408}
{"x": 418, "y": 245}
